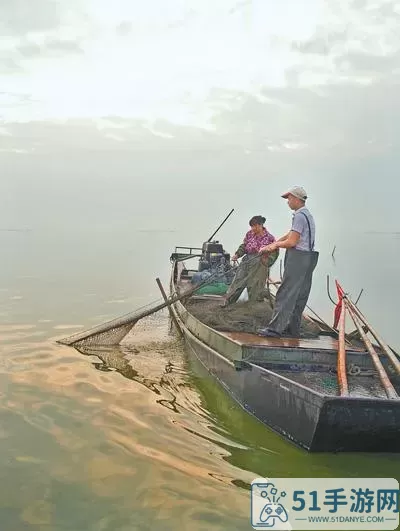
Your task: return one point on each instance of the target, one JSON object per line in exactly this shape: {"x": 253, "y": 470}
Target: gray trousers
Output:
{"x": 293, "y": 293}
{"x": 252, "y": 274}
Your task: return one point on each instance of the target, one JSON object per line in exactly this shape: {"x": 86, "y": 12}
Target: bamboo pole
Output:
{"x": 341, "y": 361}
{"x": 171, "y": 313}
{"x": 382, "y": 344}
{"x": 389, "y": 389}
{"x": 129, "y": 319}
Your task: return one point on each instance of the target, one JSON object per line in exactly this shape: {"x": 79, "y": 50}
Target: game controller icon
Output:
{"x": 271, "y": 511}
{"x": 266, "y": 509}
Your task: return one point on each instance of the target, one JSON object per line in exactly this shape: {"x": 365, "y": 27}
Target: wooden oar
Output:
{"x": 341, "y": 361}
{"x": 386, "y": 383}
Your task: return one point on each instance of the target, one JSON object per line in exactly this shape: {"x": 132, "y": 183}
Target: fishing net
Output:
{"x": 245, "y": 317}
{"x": 241, "y": 317}
{"x": 112, "y": 335}
{"x": 112, "y": 332}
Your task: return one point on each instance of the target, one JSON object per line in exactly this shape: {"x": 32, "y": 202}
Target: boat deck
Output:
{"x": 246, "y": 339}
{"x": 320, "y": 343}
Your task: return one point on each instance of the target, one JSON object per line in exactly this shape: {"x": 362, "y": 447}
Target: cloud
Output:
{"x": 308, "y": 108}
{"x": 14, "y": 100}
{"x": 13, "y": 57}
{"x": 19, "y": 17}
{"x": 59, "y": 45}
{"x": 111, "y": 134}
{"x": 359, "y": 4}
{"x": 316, "y": 45}
{"x": 371, "y": 64}
{"x": 310, "y": 124}
{"x": 357, "y": 43}
{"x": 124, "y": 28}
{"x": 320, "y": 44}
{"x": 36, "y": 28}
{"x": 343, "y": 155}
{"x": 313, "y": 125}
{"x": 321, "y": 107}
{"x": 8, "y": 65}
{"x": 385, "y": 11}
{"x": 49, "y": 47}
{"x": 240, "y": 6}
{"x": 362, "y": 27}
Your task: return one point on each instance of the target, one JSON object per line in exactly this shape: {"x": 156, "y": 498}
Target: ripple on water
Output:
{"x": 67, "y": 326}
{"x": 120, "y": 429}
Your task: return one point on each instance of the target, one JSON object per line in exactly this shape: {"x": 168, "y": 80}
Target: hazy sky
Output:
{"x": 221, "y": 103}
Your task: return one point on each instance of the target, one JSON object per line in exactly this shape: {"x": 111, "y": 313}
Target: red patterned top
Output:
{"x": 252, "y": 243}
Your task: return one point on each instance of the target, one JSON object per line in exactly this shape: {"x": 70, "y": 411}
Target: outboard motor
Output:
{"x": 214, "y": 261}
{"x": 213, "y": 252}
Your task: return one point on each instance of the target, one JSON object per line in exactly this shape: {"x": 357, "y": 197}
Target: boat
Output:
{"x": 334, "y": 392}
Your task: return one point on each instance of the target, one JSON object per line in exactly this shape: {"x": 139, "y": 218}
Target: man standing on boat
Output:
{"x": 300, "y": 262}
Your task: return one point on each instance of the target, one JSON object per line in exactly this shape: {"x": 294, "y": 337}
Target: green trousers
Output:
{"x": 252, "y": 274}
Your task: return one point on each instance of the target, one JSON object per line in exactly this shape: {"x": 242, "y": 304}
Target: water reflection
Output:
{"x": 121, "y": 360}
{"x": 115, "y": 438}
{"x": 129, "y": 438}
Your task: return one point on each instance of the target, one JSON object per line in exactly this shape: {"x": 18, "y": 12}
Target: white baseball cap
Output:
{"x": 297, "y": 191}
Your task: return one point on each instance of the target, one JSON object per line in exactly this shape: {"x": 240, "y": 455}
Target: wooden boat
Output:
{"x": 292, "y": 385}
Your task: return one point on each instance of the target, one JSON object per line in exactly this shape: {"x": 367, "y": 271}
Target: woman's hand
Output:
{"x": 234, "y": 258}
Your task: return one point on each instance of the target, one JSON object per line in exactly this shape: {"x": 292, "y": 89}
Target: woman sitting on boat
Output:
{"x": 253, "y": 270}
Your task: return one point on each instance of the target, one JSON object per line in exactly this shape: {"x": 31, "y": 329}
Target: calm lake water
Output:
{"x": 129, "y": 438}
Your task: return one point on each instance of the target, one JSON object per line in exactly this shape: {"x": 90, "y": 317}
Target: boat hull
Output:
{"x": 307, "y": 419}
{"x": 312, "y": 420}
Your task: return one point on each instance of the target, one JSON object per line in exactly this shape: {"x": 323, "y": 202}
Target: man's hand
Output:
{"x": 234, "y": 258}
{"x": 269, "y": 248}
